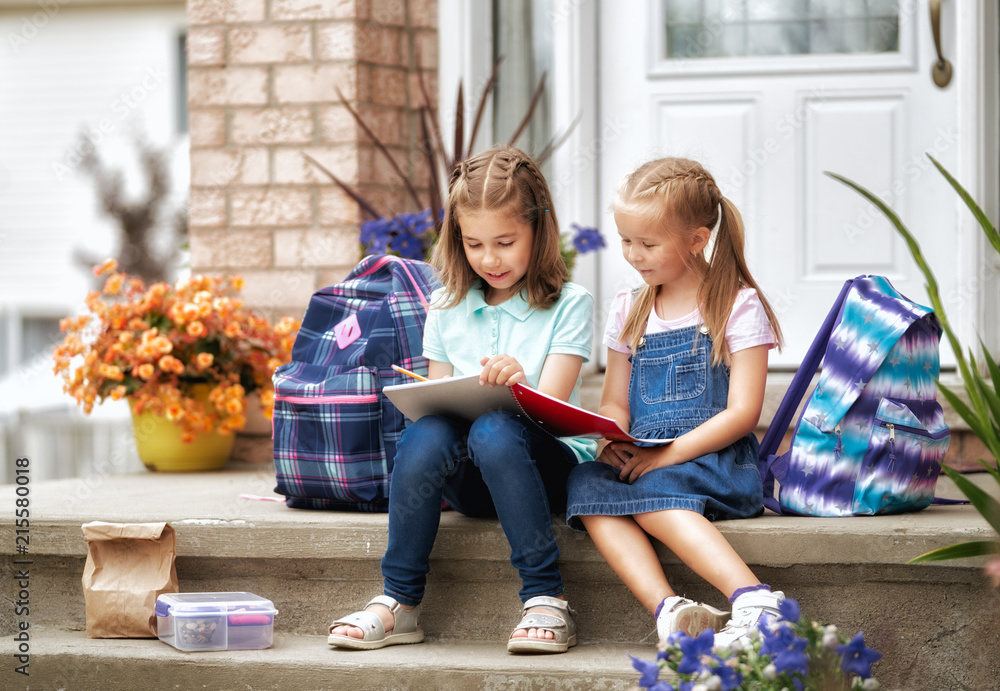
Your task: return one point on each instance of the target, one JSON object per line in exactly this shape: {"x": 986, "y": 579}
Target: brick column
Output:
{"x": 263, "y": 77}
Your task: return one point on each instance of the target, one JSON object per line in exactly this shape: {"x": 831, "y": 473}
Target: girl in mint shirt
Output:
{"x": 507, "y": 312}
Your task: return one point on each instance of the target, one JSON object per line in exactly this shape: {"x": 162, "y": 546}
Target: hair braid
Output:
{"x": 504, "y": 181}
{"x": 679, "y": 196}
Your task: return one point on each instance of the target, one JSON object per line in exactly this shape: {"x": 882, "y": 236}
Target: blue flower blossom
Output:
{"x": 695, "y": 651}
{"x": 586, "y": 239}
{"x": 378, "y": 229}
{"x": 787, "y": 650}
{"x": 789, "y": 609}
{"x": 856, "y": 658}
{"x": 408, "y": 247}
{"x": 649, "y": 672}
{"x": 730, "y": 678}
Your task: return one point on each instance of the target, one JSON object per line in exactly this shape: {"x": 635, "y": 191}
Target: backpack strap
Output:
{"x": 773, "y": 467}
{"x": 802, "y": 379}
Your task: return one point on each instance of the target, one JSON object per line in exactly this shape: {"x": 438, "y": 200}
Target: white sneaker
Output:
{"x": 750, "y": 611}
{"x": 681, "y": 614}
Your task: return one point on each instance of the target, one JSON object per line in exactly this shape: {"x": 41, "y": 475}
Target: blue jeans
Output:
{"x": 499, "y": 466}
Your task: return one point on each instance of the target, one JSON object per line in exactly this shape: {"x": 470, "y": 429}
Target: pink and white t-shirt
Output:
{"x": 747, "y": 326}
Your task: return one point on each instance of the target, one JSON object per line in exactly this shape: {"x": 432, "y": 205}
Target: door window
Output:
{"x": 740, "y": 28}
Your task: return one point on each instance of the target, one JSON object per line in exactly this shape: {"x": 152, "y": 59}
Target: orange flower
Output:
{"x": 163, "y": 344}
{"x": 110, "y": 372}
{"x": 147, "y": 351}
{"x": 108, "y": 266}
{"x": 168, "y": 363}
{"x": 113, "y": 285}
{"x": 116, "y": 339}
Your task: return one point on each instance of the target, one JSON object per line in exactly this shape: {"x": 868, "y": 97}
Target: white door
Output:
{"x": 769, "y": 94}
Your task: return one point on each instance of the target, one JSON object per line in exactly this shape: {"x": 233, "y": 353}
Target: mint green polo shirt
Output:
{"x": 472, "y": 329}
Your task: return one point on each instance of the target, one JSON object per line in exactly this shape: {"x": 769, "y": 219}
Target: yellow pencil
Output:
{"x": 409, "y": 373}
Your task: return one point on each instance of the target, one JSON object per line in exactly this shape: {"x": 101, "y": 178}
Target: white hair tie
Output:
{"x": 718, "y": 221}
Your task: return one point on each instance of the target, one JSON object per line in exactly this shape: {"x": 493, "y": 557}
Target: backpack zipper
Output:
{"x": 346, "y": 398}
{"x": 892, "y": 427}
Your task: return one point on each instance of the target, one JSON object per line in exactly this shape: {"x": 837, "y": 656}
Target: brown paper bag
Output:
{"x": 128, "y": 566}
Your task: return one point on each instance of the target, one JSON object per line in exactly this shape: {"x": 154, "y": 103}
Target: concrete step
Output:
{"x": 931, "y": 621}
{"x": 69, "y": 660}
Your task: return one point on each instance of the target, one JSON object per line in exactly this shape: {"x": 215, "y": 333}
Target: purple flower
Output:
{"x": 730, "y": 678}
{"x": 790, "y": 610}
{"x": 787, "y": 650}
{"x": 586, "y": 239}
{"x": 649, "y": 672}
{"x": 407, "y": 246}
{"x": 856, "y": 658}
{"x": 378, "y": 229}
{"x": 378, "y": 245}
{"x": 694, "y": 649}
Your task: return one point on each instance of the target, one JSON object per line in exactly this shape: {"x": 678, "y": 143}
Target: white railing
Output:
{"x": 64, "y": 443}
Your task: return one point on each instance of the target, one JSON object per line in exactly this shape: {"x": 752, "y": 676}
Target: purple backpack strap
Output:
{"x": 775, "y": 467}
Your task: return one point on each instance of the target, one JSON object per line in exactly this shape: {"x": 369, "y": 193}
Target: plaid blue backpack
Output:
{"x": 334, "y": 433}
{"x": 871, "y": 437}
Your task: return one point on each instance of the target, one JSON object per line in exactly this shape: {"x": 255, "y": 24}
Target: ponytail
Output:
{"x": 727, "y": 274}
{"x": 682, "y": 192}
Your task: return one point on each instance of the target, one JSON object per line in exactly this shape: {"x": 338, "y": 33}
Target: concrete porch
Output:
{"x": 936, "y": 624}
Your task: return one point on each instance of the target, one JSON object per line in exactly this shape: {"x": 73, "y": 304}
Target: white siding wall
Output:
{"x": 81, "y": 69}
{"x": 72, "y": 69}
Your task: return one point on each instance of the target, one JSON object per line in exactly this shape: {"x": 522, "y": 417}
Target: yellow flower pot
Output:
{"x": 158, "y": 442}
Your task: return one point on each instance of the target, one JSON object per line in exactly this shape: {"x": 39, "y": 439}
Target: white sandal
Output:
{"x": 404, "y": 630}
{"x": 681, "y": 614}
{"x": 561, "y": 624}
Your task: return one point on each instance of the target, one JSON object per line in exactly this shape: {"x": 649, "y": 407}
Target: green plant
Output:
{"x": 413, "y": 235}
{"x": 982, "y": 413}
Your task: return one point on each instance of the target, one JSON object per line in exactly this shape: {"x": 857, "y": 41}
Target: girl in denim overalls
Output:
{"x": 687, "y": 359}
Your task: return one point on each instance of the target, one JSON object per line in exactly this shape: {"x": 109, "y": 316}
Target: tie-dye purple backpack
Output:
{"x": 871, "y": 437}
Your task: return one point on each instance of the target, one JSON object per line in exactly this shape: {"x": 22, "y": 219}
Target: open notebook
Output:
{"x": 464, "y": 398}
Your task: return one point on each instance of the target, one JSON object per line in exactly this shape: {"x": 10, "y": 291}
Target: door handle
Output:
{"x": 940, "y": 70}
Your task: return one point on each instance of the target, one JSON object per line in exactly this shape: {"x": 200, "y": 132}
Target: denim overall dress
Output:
{"x": 673, "y": 388}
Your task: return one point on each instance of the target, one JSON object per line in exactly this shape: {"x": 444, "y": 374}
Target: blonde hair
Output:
{"x": 504, "y": 181}
{"x": 678, "y": 196}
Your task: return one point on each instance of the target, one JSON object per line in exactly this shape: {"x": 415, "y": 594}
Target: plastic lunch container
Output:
{"x": 215, "y": 621}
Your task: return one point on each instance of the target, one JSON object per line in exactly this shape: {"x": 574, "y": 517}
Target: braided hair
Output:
{"x": 679, "y": 196}
{"x": 502, "y": 181}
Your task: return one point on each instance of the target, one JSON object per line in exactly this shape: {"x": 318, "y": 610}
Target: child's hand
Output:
{"x": 636, "y": 461}
{"x": 613, "y": 455}
{"x": 501, "y": 369}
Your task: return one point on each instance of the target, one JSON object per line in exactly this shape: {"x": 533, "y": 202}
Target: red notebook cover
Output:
{"x": 465, "y": 398}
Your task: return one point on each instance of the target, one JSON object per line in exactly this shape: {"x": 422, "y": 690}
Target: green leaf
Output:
{"x": 991, "y": 441}
{"x": 962, "y": 550}
{"x": 988, "y": 228}
{"x": 931, "y": 284}
{"x": 963, "y": 410}
{"x": 987, "y": 506}
{"x": 993, "y": 470}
